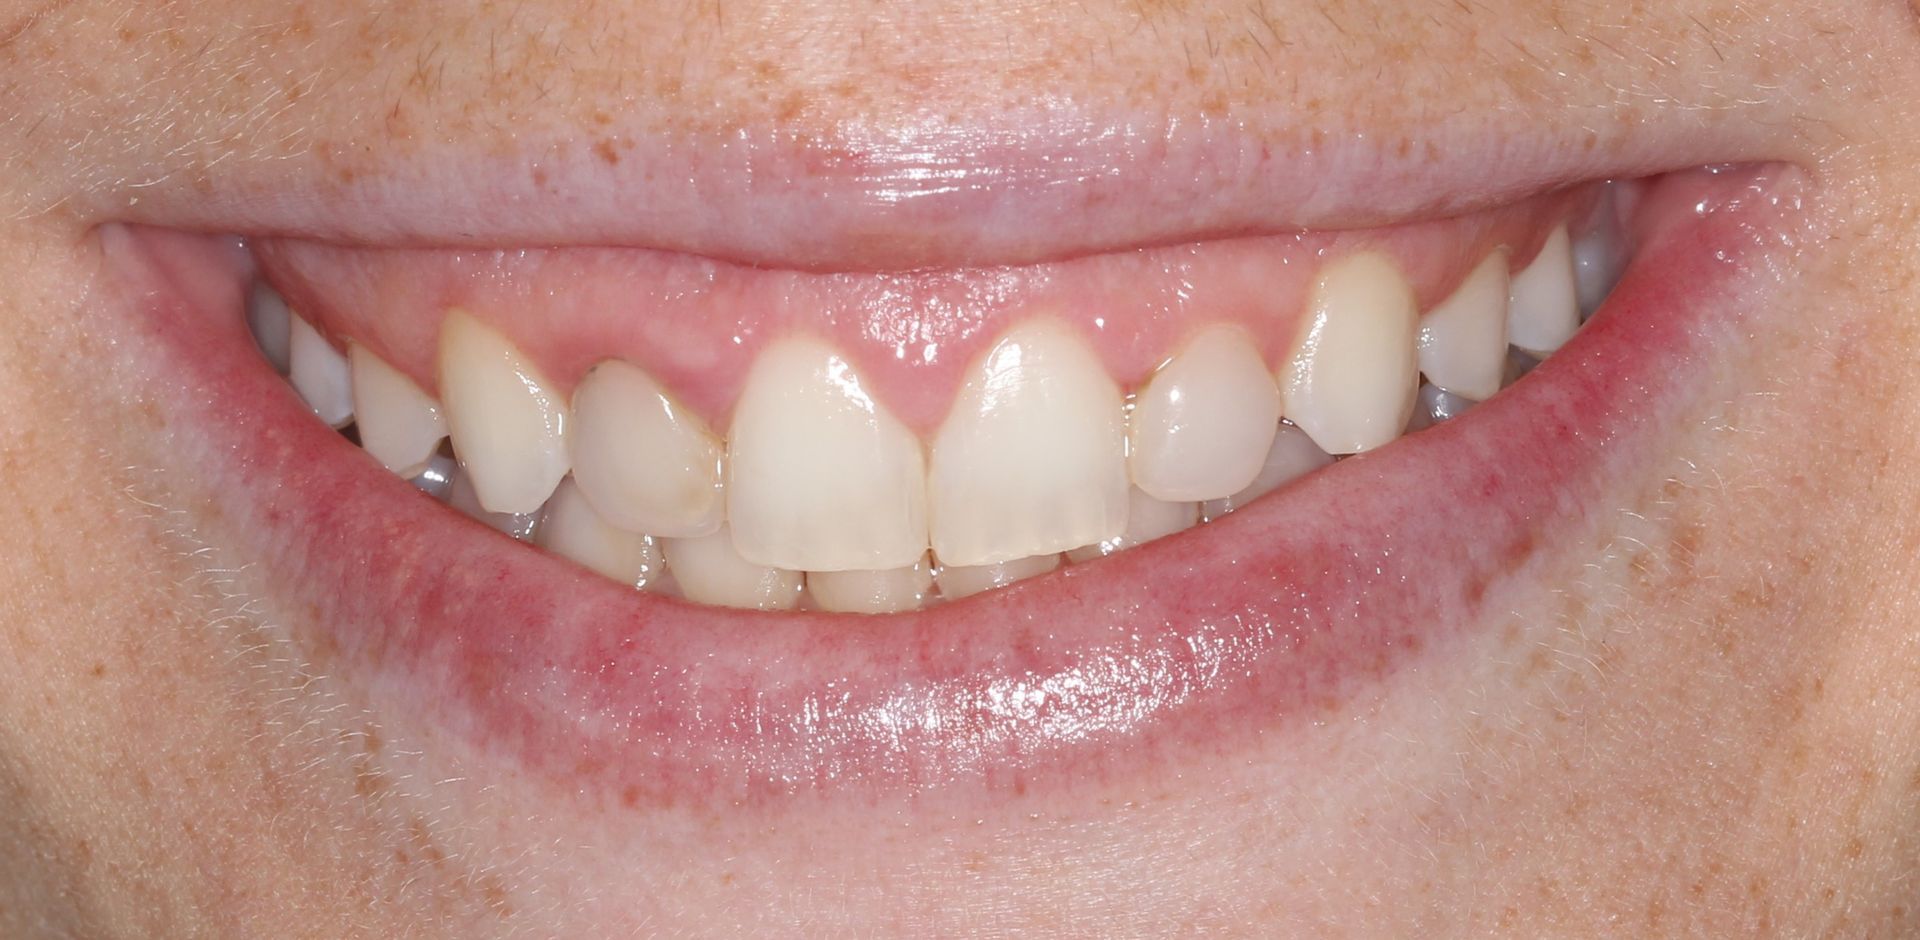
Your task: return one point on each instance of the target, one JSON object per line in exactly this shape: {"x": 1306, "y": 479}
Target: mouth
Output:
{"x": 669, "y": 526}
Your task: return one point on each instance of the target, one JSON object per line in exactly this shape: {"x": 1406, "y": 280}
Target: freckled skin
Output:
{"x": 1698, "y": 717}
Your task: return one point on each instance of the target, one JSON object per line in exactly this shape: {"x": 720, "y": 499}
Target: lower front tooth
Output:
{"x": 1542, "y": 310}
{"x": 399, "y": 424}
{"x": 573, "y": 530}
{"x": 1351, "y": 379}
{"x": 508, "y": 425}
{"x": 958, "y": 581}
{"x": 319, "y": 374}
{"x": 872, "y": 592}
{"x": 1293, "y": 455}
{"x": 522, "y": 525}
{"x": 708, "y": 570}
{"x": 1147, "y": 519}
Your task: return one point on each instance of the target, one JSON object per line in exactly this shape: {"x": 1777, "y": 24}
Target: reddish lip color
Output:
{"x": 1193, "y": 643}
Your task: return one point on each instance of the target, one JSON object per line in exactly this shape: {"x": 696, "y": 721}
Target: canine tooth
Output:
{"x": 1147, "y": 519}
{"x": 1542, "y": 311}
{"x": 319, "y": 374}
{"x": 398, "y": 423}
{"x": 463, "y": 496}
{"x": 872, "y": 592}
{"x": 708, "y": 570}
{"x": 1202, "y": 425}
{"x": 1351, "y": 379}
{"x": 1463, "y": 339}
{"x": 958, "y": 581}
{"x": 1032, "y": 459}
{"x": 436, "y": 478}
{"x": 1293, "y": 455}
{"x": 573, "y": 530}
{"x": 644, "y": 462}
{"x": 271, "y": 324}
{"x": 508, "y": 426}
{"x": 820, "y": 476}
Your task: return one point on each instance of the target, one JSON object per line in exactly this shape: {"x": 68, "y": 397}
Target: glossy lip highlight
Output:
{"x": 1144, "y": 657}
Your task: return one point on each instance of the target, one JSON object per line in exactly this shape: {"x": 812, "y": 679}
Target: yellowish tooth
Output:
{"x": 572, "y": 529}
{"x": 509, "y": 427}
{"x": 1543, "y": 306}
{"x": 399, "y": 424}
{"x": 645, "y": 462}
{"x": 1463, "y": 339}
{"x": 958, "y": 581}
{"x": 1351, "y": 380}
{"x": 319, "y": 373}
{"x": 872, "y": 592}
{"x": 1201, "y": 427}
{"x": 1147, "y": 519}
{"x": 708, "y": 570}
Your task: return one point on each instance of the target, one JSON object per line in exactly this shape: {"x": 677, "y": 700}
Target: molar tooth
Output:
{"x": 573, "y": 530}
{"x": 319, "y": 374}
{"x": 819, "y": 475}
{"x": 1202, "y": 425}
{"x": 1032, "y": 459}
{"x": 399, "y": 424}
{"x": 1147, "y": 519}
{"x": 1292, "y": 455}
{"x": 271, "y": 324}
{"x": 521, "y": 525}
{"x": 1463, "y": 339}
{"x": 644, "y": 462}
{"x": 508, "y": 425}
{"x": 872, "y": 592}
{"x": 708, "y": 570}
{"x": 1351, "y": 379}
{"x": 958, "y": 581}
{"x": 1542, "y": 311}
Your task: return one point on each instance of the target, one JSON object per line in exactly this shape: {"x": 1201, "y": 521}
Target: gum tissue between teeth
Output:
{"x": 625, "y": 481}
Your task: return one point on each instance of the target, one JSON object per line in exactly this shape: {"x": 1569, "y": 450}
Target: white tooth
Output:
{"x": 319, "y": 374}
{"x": 1202, "y": 425}
{"x": 958, "y": 581}
{"x": 1032, "y": 459}
{"x": 1436, "y": 406}
{"x": 708, "y": 570}
{"x": 271, "y": 324}
{"x": 1542, "y": 311}
{"x": 644, "y": 462}
{"x": 436, "y": 478}
{"x": 872, "y": 592}
{"x": 522, "y": 526}
{"x": 1351, "y": 379}
{"x": 1293, "y": 455}
{"x": 508, "y": 425}
{"x": 399, "y": 424}
{"x": 1463, "y": 339}
{"x": 819, "y": 476}
{"x": 1147, "y": 519}
{"x": 573, "y": 530}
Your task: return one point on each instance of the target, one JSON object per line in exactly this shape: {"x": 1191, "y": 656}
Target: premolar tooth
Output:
{"x": 1032, "y": 459}
{"x": 708, "y": 570}
{"x": 1202, "y": 425}
{"x": 1351, "y": 379}
{"x": 872, "y": 592}
{"x": 958, "y": 581}
{"x": 520, "y": 525}
{"x": 644, "y": 462}
{"x": 319, "y": 374}
{"x": 1293, "y": 455}
{"x": 1542, "y": 311}
{"x": 1463, "y": 339}
{"x": 572, "y": 529}
{"x": 271, "y": 324}
{"x": 1147, "y": 519}
{"x": 508, "y": 426}
{"x": 399, "y": 424}
{"x": 819, "y": 475}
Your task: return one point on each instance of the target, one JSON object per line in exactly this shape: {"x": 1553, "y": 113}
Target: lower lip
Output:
{"x": 1198, "y": 642}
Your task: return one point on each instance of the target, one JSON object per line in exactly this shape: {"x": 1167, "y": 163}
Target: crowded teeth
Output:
{"x": 960, "y": 581}
{"x": 872, "y": 592}
{"x": 1147, "y": 519}
{"x": 1351, "y": 379}
{"x": 1463, "y": 339}
{"x": 508, "y": 425}
{"x": 399, "y": 424}
{"x": 572, "y": 529}
{"x": 270, "y": 321}
{"x": 1542, "y": 311}
{"x": 319, "y": 374}
{"x": 644, "y": 462}
{"x": 1292, "y": 455}
{"x": 708, "y": 570}
{"x": 1032, "y": 458}
{"x": 1201, "y": 427}
{"x": 820, "y": 477}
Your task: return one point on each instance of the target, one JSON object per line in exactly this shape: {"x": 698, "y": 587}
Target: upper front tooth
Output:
{"x": 1351, "y": 380}
{"x": 1032, "y": 459}
{"x": 820, "y": 477}
{"x": 1463, "y": 339}
{"x": 1201, "y": 427}
{"x": 644, "y": 462}
{"x": 572, "y": 529}
{"x": 398, "y": 423}
{"x": 1147, "y": 519}
{"x": 508, "y": 425}
{"x": 319, "y": 374}
{"x": 1543, "y": 310}
{"x": 958, "y": 581}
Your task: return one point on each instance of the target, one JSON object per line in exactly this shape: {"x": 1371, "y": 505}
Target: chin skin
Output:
{"x": 1703, "y": 720}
